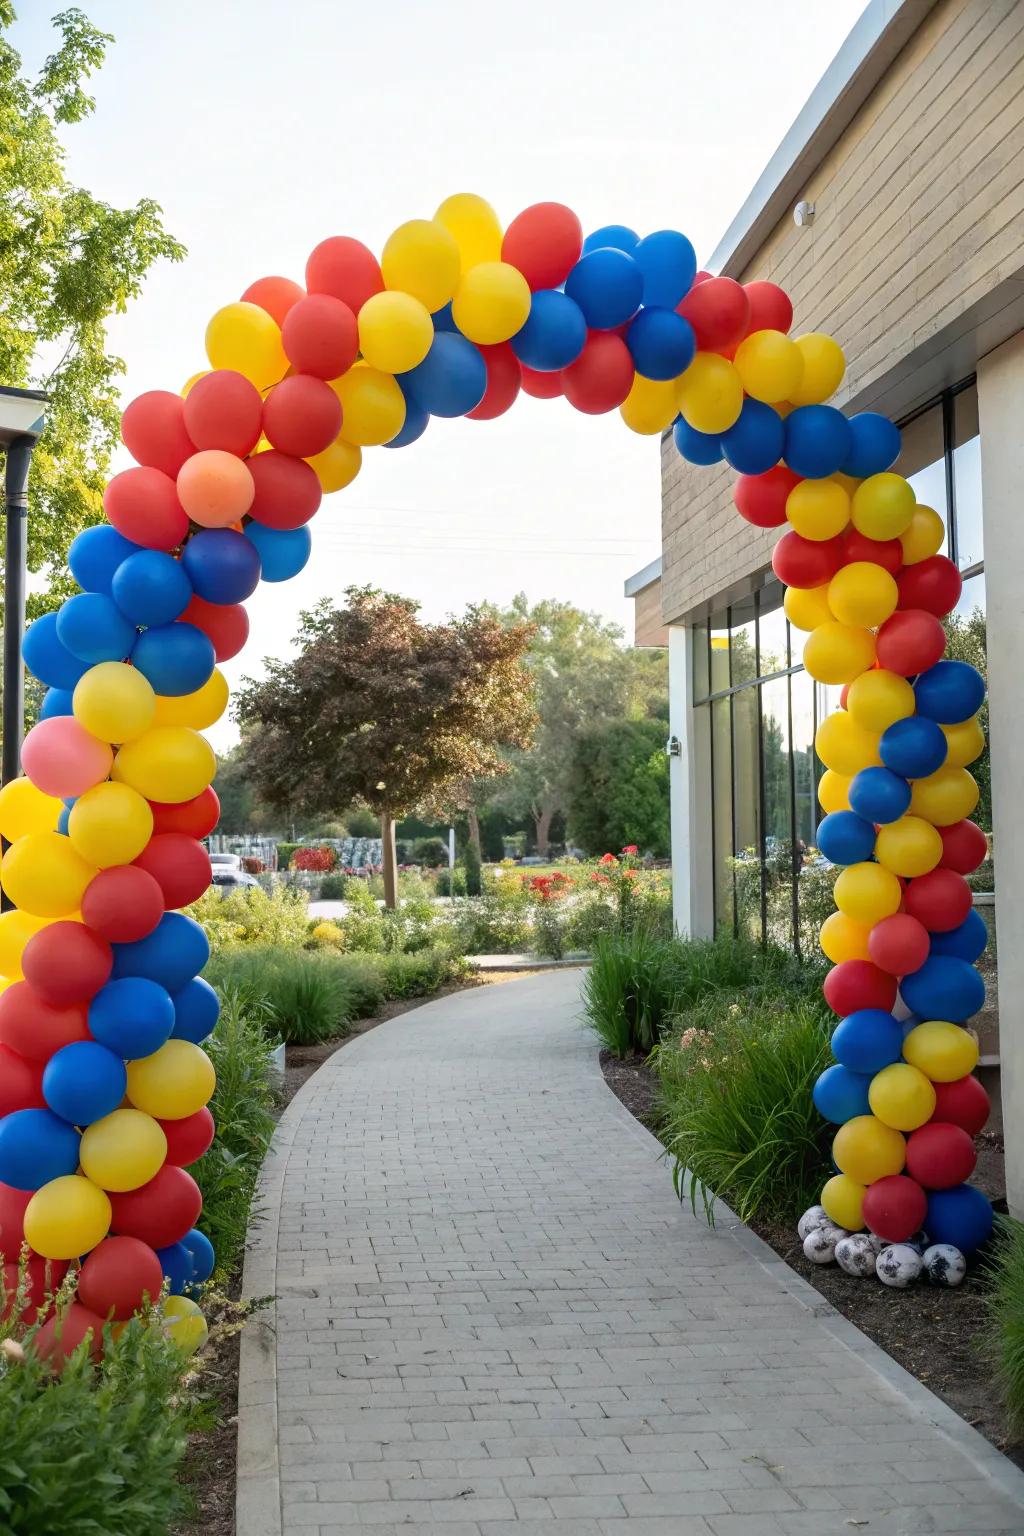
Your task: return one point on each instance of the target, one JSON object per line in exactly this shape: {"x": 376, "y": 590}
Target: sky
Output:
{"x": 262, "y": 127}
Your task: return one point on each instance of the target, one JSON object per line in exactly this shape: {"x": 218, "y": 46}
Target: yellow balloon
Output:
{"x": 372, "y": 404}
{"x": 845, "y": 746}
{"x": 843, "y": 1199}
{"x": 175, "y": 1081}
{"x": 834, "y": 791}
{"x": 123, "y": 1151}
{"x": 964, "y": 742}
{"x": 837, "y": 653}
{"x": 67, "y": 1217}
{"x": 879, "y": 698}
{"x": 491, "y": 303}
{"x": 474, "y": 226}
{"x": 244, "y": 337}
{"x": 170, "y": 763}
{"x": 863, "y": 593}
{"x": 823, "y": 368}
{"x": 908, "y": 847}
{"x": 923, "y": 537}
{"x": 337, "y": 466}
{"x": 190, "y": 384}
{"x": 421, "y": 258}
{"x": 818, "y": 509}
{"x": 710, "y": 393}
{"x": 184, "y": 1324}
{"x": 843, "y": 939}
{"x": 807, "y": 607}
{"x": 395, "y": 331}
{"x": 650, "y": 406}
{"x": 769, "y": 365}
{"x": 866, "y": 893}
{"x": 44, "y": 875}
{"x": 16, "y": 928}
{"x": 883, "y": 506}
{"x": 114, "y": 701}
{"x": 25, "y": 809}
{"x": 199, "y": 710}
{"x": 944, "y": 797}
{"x": 865, "y": 1149}
{"x": 110, "y": 824}
{"x": 901, "y": 1097}
{"x": 943, "y": 1052}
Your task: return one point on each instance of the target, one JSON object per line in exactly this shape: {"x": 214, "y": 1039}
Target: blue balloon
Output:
{"x": 874, "y": 445}
{"x": 817, "y": 440}
{"x": 56, "y": 701}
{"x": 755, "y": 440}
{"x": 868, "y": 1040}
{"x": 223, "y": 566}
{"x": 413, "y": 427}
{"x": 64, "y": 820}
{"x": 133, "y": 1017}
{"x": 967, "y": 941}
{"x": 845, "y": 838}
{"x": 177, "y": 658}
{"x": 949, "y": 692}
{"x": 172, "y": 954}
{"x": 840, "y": 1095}
{"x": 178, "y": 1266}
{"x": 879, "y": 795}
{"x": 95, "y": 555}
{"x": 93, "y": 628}
{"x": 668, "y": 265}
{"x": 451, "y": 380}
{"x": 661, "y": 343}
{"x": 283, "y": 552}
{"x": 443, "y": 318}
{"x": 608, "y": 285}
{"x": 201, "y": 1251}
{"x": 35, "y": 1147}
{"x": 48, "y": 658}
{"x": 961, "y": 1216}
{"x": 619, "y": 236}
{"x": 913, "y": 748}
{"x": 151, "y": 588}
{"x": 944, "y": 988}
{"x": 696, "y": 447}
{"x": 554, "y": 333}
{"x": 196, "y": 1011}
{"x": 83, "y": 1082}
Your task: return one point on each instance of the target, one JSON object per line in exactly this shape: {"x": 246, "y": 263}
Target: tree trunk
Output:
{"x": 542, "y": 823}
{"x": 387, "y": 832}
{"x": 474, "y": 830}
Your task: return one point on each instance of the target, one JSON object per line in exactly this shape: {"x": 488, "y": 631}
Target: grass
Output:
{"x": 298, "y": 994}
{"x": 1005, "y": 1331}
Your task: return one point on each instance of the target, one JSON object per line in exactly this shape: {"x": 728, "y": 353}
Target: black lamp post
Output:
{"x": 22, "y": 415}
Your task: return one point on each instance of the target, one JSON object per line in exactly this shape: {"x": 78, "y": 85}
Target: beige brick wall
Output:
{"x": 919, "y": 216}
{"x": 648, "y": 629}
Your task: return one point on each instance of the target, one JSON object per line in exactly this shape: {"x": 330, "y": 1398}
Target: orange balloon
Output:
{"x": 215, "y": 488}
{"x": 276, "y": 295}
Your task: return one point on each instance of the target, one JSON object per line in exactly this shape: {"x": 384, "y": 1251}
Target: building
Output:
{"x": 910, "y": 153}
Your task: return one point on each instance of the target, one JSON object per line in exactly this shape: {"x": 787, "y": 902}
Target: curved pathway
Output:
{"x": 493, "y": 1315}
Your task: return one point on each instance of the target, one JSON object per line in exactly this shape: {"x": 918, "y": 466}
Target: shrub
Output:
{"x": 253, "y": 866}
{"x": 1004, "y": 1332}
{"x": 451, "y": 882}
{"x": 630, "y": 989}
{"x": 334, "y": 887}
{"x": 471, "y": 864}
{"x": 362, "y": 823}
{"x": 498, "y": 922}
{"x": 296, "y": 993}
{"x": 328, "y": 935}
{"x": 252, "y": 915}
{"x": 284, "y": 854}
{"x": 430, "y": 850}
{"x": 313, "y": 860}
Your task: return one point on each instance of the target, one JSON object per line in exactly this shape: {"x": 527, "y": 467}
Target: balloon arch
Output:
{"x": 103, "y": 1079}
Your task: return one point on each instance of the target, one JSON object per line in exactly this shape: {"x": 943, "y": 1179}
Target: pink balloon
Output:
{"x": 62, "y": 759}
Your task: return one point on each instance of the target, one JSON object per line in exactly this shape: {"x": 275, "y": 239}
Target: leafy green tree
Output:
{"x": 966, "y": 640}
{"x": 619, "y": 788}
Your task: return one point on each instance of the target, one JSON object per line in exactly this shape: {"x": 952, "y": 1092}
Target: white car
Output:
{"x": 228, "y": 874}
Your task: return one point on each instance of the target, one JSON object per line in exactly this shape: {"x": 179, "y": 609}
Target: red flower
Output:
{"x": 608, "y": 858}
{"x": 631, "y": 874}
{"x": 630, "y": 848}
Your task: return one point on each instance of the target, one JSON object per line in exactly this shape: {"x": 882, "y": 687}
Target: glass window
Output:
{"x": 700, "y": 661}
{"x": 773, "y": 631}
{"x": 970, "y": 548}
{"x": 922, "y": 460}
{"x": 718, "y": 659}
{"x": 806, "y": 768}
{"x": 721, "y": 790}
{"x": 743, "y": 641}
{"x": 972, "y": 598}
{"x": 746, "y": 810}
{"x": 778, "y": 811}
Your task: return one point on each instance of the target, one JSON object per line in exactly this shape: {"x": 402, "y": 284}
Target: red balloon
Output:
{"x": 895, "y": 1207}
{"x": 601, "y": 377}
{"x": 761, "y": 499}
{"x": 770, "y": 308}
{"x": 288, "y": 492}
{"x": 31, "y": 1029}
{"x": 963, "y": 1102}
{"x": 800, "y": 562}
{"x": 187, "y": 1140}
{"x": 196, "y": 818}
{"x": 934, "y": 584}
{"x": 345, "y": 269}
{"x": 899, "y": 944}
{"x": 940, "y": 900}
{"x": 277, "y": 295}
{"x": 60, "y": 1336}
{"x": 180, "y": 866}
{"x": 503, "y": 383}
{"x": 544, "y": 242}
{"x": 857, "y": 984}
{"x": 910, "y": 641}
{"x": 301, "y": 415}
{"x": 160, "y": 1212}
{"x": 226, "y": 624}
{"x": 964, "y": 847}
{"x": 224, "y": 410}
{"x": 13, "y": 1203}
{"x": 122, "y": 904}
{"x": 118, "y": 1275}
{"x": 143, "y": 505}
{"x": 719, "y": 311}
{"x": 67, "y": 963}
{"x": 43, "y": 1278}
{"x": 21, "y": 1080}
{"x": 940, "y": 1155}
{"x": 887, "y": 553}
{"x": 153, "y": 431}
{"x": 321, "y": 336}
{"x": 542, "y": 386}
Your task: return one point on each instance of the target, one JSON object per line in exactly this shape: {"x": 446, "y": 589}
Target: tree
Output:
{"x": 67, "y": 262}
{"x": 619, "y": 788}
{"x": 382, "y": 708}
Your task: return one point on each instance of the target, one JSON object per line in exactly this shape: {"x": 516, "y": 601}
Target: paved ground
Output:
{"x": 493, "y": 1315}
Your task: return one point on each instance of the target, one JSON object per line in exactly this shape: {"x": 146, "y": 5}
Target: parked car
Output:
{"x": 227, "y": 872}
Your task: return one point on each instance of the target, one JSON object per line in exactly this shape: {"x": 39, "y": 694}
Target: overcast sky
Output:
{"x": 261, "y": 127}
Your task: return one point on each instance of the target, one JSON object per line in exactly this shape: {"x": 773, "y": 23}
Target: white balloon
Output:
{"x": 944, "y": 1265}
{"x": 815, "y": 1216}
{"x": 856, "y": 1256}
{"x": 898, "y": 1265}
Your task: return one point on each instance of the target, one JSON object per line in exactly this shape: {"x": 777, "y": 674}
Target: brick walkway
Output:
{"x": 493, "y": 1315}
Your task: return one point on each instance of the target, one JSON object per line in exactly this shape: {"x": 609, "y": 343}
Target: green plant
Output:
{"x": 334, "y": 887}
{"x": 284, "y": 854}
{"x": 252, "y": 916}
{"x": 451, "y": 882}
{"x": 497, "y": 922}
{"x": 297, "y": 993}
{"x": 1004, "y": 1331}
{"x": 471, "y": 865}
{"x": 630, "y": 990}
{"x": 430, "y": 850}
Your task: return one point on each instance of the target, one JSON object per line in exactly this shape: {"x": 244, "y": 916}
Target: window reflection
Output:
{"x": 923, "y": 463}
{"x": 743, "y": 641}
{"x": 970, "y": 547}
{"x": 721, "y": 786}
{"x": 778, "y": 808}
{"x": 746, "y": 811}
{"x": 773, "y": 631}
{"x": 700, "y": 661}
